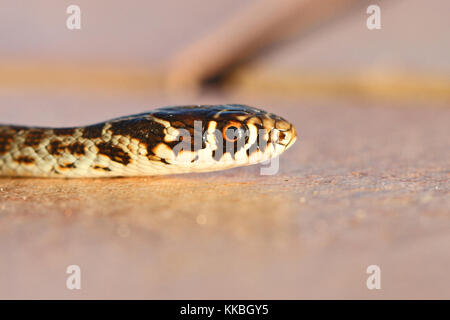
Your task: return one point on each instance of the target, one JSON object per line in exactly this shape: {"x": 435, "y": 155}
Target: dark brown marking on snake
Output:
{"x": 55, "y": 148}
{"x": 114, "y": 153}
{"x": 177, "y": 124}
{"x": 150, "y": 152}
{"x": 64, "y": 131}
{"x": 76, "y": 148}
{"x": 189, "y": 121}
{"x": 145, "y": 130}
{"x": 94, "y": 131}
{"x": 97, "y": 167}
{"x": 67, "y": 166}
{"x": 214, "y": 155}
{"x": 5, "y": 142}
{"x": 164, "y": 161}
{"x": 25, "y": 160}
{"x": 153, "y": 157}
{"x": 34, "y": 138}
{"x": 261, "y": 143}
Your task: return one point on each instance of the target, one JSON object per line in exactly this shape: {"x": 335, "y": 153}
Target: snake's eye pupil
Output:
{"x": 232, "y": 133}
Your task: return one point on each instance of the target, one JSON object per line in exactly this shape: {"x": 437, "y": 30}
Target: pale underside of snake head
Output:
{"x": 168, "y": 140}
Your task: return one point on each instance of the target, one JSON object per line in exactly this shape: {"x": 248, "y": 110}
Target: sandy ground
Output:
{"x": 366, "y": 184}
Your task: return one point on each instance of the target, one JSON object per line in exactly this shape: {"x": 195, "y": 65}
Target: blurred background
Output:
{"x": 366, "y": 183}
{"x": 289, "y": 48}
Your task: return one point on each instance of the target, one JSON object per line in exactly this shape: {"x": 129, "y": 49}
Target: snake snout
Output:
{"x": 291, "y": 136}
{"x": 285, "y": 132}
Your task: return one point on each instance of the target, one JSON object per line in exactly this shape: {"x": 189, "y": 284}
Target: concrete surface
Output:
{"x": 367, "y": 183}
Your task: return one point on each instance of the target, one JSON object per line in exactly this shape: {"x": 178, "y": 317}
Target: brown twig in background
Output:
{"x": 255, "y": 27}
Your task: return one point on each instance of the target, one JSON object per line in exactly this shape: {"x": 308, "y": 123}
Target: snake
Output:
{"x": 167, "y": 140}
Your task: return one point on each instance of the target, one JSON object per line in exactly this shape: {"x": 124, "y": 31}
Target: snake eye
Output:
{"x": 232, "y": 131}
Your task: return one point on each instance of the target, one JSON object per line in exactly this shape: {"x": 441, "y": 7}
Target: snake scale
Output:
{"x": 167, "y": 140}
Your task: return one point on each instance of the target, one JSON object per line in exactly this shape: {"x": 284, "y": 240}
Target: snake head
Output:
{"x": 214, "y": 137}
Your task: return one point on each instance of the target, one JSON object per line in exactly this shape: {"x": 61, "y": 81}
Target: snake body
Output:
{"x": 163, "y": 141}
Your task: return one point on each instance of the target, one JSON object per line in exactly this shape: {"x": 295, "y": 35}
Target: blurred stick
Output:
{"x": 256, "y": 26}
